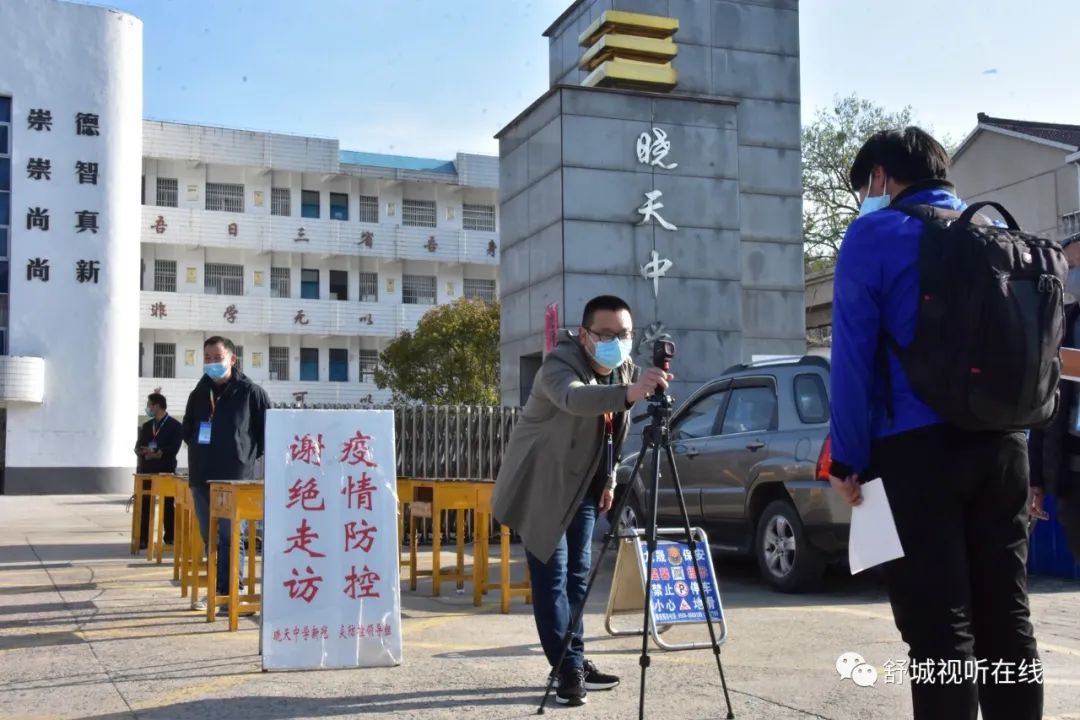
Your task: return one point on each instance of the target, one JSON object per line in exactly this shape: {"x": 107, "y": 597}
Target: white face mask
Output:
{"x": 873, "y": 204}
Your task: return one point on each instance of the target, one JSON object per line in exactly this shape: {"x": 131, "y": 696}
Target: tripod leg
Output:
{"x": 697, "y": 569}
{"x": 651, "y": 545}
{"x": 597, "y": 563}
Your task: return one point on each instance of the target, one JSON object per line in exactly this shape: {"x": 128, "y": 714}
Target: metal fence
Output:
{"x": 443, "y": 442}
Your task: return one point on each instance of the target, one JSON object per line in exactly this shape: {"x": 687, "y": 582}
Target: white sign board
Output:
{"x": 331, "y": 596}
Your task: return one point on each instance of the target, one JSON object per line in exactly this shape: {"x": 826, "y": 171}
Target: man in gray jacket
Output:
{"x": 559, "y": 472}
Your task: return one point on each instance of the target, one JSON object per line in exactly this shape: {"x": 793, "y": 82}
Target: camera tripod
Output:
{"x": 657, "y": 438}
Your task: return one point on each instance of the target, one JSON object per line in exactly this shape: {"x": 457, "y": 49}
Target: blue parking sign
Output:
{"x": 674, "y": 596}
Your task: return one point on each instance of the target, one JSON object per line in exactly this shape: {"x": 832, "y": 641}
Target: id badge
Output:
{"x": 152, "y": 445}
{"x": 204, "y": 433}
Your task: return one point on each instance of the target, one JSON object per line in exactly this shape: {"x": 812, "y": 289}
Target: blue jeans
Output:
{"x": 201, "y": 494}
{"x": 558, "y": 588}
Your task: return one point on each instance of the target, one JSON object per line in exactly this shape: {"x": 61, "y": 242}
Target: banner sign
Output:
{"x": 331, "y": 595}
{"x": 551, "y": 327}
{"x": 673, "y": 591}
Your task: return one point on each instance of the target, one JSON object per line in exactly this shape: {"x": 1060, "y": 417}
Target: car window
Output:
{"x": 700, "y": 418}
{"x": 811, "y": 400}
{"x": 751, "y": 409}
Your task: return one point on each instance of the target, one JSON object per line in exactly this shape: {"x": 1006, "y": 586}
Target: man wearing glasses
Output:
{"x": 559, "y": 472}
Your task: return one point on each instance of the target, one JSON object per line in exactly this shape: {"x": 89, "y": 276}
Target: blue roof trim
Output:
{"x": 397, "y": 162}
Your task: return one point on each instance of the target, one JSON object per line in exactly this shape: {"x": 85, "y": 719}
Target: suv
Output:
{"x": 752, "y": 452}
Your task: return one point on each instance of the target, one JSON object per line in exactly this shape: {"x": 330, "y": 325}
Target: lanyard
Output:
{"x": 155, "y": 429}
{"x": 609, "y": 425}
{"x": 213, "y": 404}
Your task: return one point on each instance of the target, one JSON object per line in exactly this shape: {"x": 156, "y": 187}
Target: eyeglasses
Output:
{"x": 626, "y": 335}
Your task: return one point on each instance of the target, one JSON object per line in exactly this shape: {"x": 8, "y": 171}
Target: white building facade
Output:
{"x": 70, "y": 153}
{"x": 309, "y": 258}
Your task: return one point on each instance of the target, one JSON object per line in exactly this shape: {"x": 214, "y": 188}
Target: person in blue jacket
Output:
{"x": 959, "y": 498}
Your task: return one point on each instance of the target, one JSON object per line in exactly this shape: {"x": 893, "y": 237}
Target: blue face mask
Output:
{"x": 613, "y": 353}
{"x": 873, "y": 204}
{"x": 216, "y": 371}
{"x": 149, "y": 412}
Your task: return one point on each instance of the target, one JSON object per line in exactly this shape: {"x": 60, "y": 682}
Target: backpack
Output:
{"x": 990, "y": 321}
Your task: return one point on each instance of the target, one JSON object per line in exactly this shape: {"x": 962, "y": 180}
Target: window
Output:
{"x": 309, "y": 364}
{"x": 167, "y": 192}
{"x": 418, "y": 213}
{"x": 339, "y": 285}
{"x": 752, "y": 409}
{"x": 280, "y": 202}
{"x": 165, "y": 275}
{"x": 222, "y": 279}
{"x": 309, "y": 284}
{"x": 478, "y": 217}
{"x": 164, "y": 360}
{"x": 369, "y": 360}
{"x": 700, "y": 420}
{"x": 418, "y": 289}
{"x": 280, "y": 282}
{"x": 339, "y": 206}
{"x": 480, "y": 289}
{"x": 279, "y": 363}
{"x": 225, "y": 197}
{"x": 369, "y": 209}
{"x": 240, "y": 358}
{"x": 1070, "y": 224}
{"x": 339, "y": 365}
{"x": 369, "y": 287}
{"x": 811, "y": 400}
{"x": 309, "y": 203}
{"x": 5, "y": 215}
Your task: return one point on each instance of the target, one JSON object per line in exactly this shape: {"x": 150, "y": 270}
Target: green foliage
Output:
{"x": 829, "y": 146}
{"x": 451, "y": 359}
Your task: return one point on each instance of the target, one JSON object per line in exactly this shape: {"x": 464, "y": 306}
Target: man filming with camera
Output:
{"x": 558, "y": 473}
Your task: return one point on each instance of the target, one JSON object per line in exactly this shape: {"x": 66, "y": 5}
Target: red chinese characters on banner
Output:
{"x": 303, "y": 588}
{"x": 360, "y": 535}
{"x": 306, "y": 450}
{"x": 376, "y": 630}
{"x": 306, "y": 493}
{"x": 304, "y": 536}
{"x": 301, "y": 633}
{"x": 365, "y": 581}
{"x": 359, "y": 538}
{"x": 359, "y": 491}
{"x": 356, "y": 451}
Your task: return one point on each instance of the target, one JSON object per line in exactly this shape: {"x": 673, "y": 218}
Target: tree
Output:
{"x": 452, "y": 358}
{"x": 829, "y": 146}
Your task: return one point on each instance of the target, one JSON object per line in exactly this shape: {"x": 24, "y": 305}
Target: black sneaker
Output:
{"x": 571, "y": 690}
{"x": 596, "y": 680}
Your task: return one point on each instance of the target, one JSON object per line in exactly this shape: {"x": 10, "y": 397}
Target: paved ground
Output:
{"x": 87, "y": 631}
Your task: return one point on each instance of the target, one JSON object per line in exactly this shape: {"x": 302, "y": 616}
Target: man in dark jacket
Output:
{"x": 1055, "y": 451}
{"x": 160, "y": 439}
{"x": 959, "y": 499}
{"x": 223, "y": 429}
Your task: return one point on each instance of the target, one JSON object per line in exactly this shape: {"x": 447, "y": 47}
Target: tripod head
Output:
{"x": 660, "y": 403}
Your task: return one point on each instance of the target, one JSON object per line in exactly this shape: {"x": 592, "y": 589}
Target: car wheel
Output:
{"x": 784, "y": 556}
{"x": 631, "y": 513}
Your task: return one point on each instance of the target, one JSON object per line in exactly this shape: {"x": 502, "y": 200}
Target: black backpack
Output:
{"x": 990, "y": 322}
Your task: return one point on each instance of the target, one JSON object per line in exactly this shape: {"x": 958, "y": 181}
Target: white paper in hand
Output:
{"x": 873, "y": 539}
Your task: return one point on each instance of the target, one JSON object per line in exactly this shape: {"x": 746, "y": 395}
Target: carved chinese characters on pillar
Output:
{"x": 652, "y": 148}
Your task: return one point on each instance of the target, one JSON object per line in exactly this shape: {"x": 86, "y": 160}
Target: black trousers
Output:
{"x": 959, "y": 594}
{"x": 168, "y": 519}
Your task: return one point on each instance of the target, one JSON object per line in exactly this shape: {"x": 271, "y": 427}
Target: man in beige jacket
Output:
{"x": 559, "y": 472}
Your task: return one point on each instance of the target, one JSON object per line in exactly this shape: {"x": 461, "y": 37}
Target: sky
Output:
{"x": 435, "y": 77}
